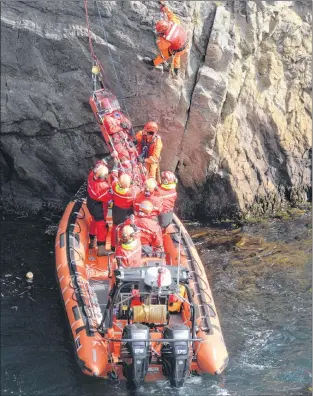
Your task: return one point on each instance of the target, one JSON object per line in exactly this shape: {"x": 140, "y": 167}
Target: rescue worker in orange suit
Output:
{"x": 99, "y": 194}
{"x": 171, "y": 41}
{"x": 128, "y": 250}
{"x": 149, "y": 194}
{"x": 150, "y": 230}
{"x": 149, "y": 147}
{"x": 167, "y": 190}
{"x": 124, "y": 194}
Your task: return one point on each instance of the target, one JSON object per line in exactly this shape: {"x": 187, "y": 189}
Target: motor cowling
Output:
{"x": 175, "y": 354}
{"x": 135, "y": 355}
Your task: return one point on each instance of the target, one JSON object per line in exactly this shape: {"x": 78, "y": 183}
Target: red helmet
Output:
{"x": 162, "y": 26}
{"x": 145, "y": 208}
{"x": 151, "y": 126}
{"x": 168, "y": 177}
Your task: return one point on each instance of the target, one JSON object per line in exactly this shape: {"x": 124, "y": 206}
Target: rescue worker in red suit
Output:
{"x": 167, "y": 190}
{"x": 149, "y": 194}
{"x": 124, "y": 194}
{"x": 171, "y": 41}
{"x": 99, "y": 194}
{"x": 149, "y": 147}
{"x": 150, "y": 230}
{"x": 128, "y": 250}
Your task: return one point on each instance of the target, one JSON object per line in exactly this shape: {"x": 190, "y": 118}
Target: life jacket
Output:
{"x": 169, "y": 195}
{"x": 150, "y": 232}
{"x": 123, "y": 198}
{"x": 177, "y": 36}
{"x": 130, "y": 256}
{"x": 147, "y": 147}
{"x": 155, "y": 199}
{"x": 99, "y": 190}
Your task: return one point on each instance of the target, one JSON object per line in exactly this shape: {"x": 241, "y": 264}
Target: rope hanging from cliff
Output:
{"x": 92, "y": 52}
{"x": 111, "y": 60}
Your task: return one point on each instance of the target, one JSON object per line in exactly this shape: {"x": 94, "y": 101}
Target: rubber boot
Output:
{"x": 102, "y": 251}
{"x": 175, "y": 74}
{"x": 92, "y": 243}
{"x": 148, "y": 61}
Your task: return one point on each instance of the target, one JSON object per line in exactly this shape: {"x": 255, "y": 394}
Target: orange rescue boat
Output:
{"x": 125, "y": 323}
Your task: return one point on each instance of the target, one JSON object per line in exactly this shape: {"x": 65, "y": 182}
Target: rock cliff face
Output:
{"x": 236, "y": 124}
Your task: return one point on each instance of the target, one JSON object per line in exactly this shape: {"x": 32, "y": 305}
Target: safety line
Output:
{"x": 92, "y": 52}
{"x": 111, "y": 59}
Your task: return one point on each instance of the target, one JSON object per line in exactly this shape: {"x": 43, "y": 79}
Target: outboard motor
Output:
{"x": 175, "y": 354}
{"x": 135, "y": 355}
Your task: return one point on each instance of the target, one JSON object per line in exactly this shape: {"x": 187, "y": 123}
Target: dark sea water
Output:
{"x": 263, "y": 295}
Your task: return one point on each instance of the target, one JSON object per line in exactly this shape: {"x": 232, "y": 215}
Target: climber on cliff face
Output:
{"x": 171, "y": 41}
{"x": 149, "y": 146}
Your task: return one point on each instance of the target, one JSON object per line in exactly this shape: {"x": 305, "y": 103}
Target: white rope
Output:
{"x": 111, "y": 59}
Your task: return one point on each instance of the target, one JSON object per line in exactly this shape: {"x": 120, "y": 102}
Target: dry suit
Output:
{"x": 129, "y": 254}
{"x": 169, "y": 195}
{"x": 151, "y": 151}
{"x": 123, "y": 200}
{"x": 99, "y": 195}
{"x": 173, "y": 42}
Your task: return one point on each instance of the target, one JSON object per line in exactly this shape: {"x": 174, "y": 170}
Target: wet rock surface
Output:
{"x": 236, "y": 124}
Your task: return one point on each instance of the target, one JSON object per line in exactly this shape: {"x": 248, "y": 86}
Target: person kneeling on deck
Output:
{"x": 128, "y": 250}
{"x": 124, "y": 194}
{"x": 149, "y": 147}
{"x": 150, "y": 231}
{"x": 167, "y": 190}
{"x": 171, "y": 41}
{"x": 99, "y": 194}
{"x": 149, "y": 194}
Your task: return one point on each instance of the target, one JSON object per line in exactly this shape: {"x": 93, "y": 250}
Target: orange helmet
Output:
{"x": 100, "y": 171}
{"x": 124, "y": 180}
{"x": 127, "y": 234}
{"x": 151, "y": 126}
{"x": 168, "y": 177}
{"x": 145, "y": 208}
{"x": 162, "y": 26}
{"x": 150, "y": 184}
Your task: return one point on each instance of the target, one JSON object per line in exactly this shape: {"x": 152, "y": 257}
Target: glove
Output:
{"x": 140, "y": 159}
{"x": 124, "y": 125}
